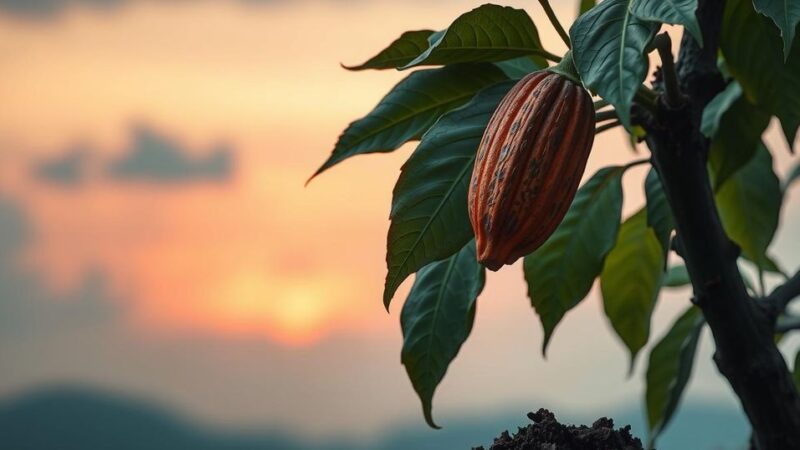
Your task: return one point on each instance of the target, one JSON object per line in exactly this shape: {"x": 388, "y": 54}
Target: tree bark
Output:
{"x": 743, "y": 327}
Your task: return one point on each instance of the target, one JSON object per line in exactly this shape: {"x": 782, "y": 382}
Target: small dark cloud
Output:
{"x": 47, "y": 9}
{"x": 38, "y": 9}
{"x": 153, "y": 157}
{"x": 67, "y": 169}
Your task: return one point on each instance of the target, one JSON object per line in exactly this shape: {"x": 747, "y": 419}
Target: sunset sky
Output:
{"x": 157, "y": 239}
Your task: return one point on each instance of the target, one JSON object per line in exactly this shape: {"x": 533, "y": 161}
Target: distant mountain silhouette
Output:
{"x": 85, "y": 419}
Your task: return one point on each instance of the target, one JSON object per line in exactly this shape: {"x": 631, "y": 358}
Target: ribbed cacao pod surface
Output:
{"x": 528, "y": 166}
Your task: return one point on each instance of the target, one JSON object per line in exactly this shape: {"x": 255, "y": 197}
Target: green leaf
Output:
{"x": 669, "y": 370}
{"x": 659, "y": 215}
{"x": 737, "y": 138}
{"x": 676, "y": 12}
{"x": 437, "y": 318}
{"x": 517, "y": 68}
{"x": 429, "y": 207}
{"x": 676, "y": 276}
{"x": 608, "y": 45}
{"x": 561, "y": 272}
{"x": 752, "y": 49}
{"x": 486, "y": 34}
{"x": 785, "y": 14}
{"x": 411, "y": 108}
{"x": 749, "y": 205}
{"x": 717, "y": 107}
{"x": 630, "y": 281}
{"x": 399, "y": 53}
{"x": 585, "y": 5}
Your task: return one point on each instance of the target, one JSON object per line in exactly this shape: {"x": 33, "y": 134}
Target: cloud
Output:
{"x": 150, "y": 157}
{"x": 155, "y": 158}
{"x": 50, "y": 8}
{"x": 27, "y": 309}
{"x": 47, "y": 9}
{"x": 67, "y": 169}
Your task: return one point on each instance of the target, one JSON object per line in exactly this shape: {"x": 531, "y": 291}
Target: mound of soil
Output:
{"x": 545, "y": 433}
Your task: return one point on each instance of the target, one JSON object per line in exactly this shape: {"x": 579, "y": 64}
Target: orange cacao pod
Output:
{"x": 528, "y": 166}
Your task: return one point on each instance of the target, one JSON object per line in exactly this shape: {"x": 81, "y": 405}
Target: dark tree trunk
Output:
{"x": 743, "y": 327}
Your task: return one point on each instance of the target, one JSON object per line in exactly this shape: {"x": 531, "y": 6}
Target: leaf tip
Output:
{"x": 427, "y": 410}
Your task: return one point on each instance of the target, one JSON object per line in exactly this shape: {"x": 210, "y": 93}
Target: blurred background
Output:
{"x": 167, "y": 281}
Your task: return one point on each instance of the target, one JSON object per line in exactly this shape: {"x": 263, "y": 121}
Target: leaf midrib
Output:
{"x": 427, "y": 226}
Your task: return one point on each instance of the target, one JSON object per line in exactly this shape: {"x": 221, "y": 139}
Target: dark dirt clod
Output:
{"x": 545, "y": 433}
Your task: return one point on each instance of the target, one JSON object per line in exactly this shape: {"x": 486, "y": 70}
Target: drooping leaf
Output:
{"x": 630, "y": 281}
{"x": 399, "y": 53}
{"x": 737, "y": 138}
{"x": 585, "y": 5}
{"x": 749, "y": 205}
{"x": 517, "y": 68}
{"x": 411, "y": 108}
{"x": 659, "y": 216}
{"x": 676, "y": 276}
{"x": 437, "y": 318}
{"x": 669, "y": 369}
{"x": 785, "y": 14}
{"x": 717, "y": 107}
{"x": 561, "y": 272}
{"x": 488, "y": 33}
{"x": 608, "y": 44}
{"x": 676, "y": 12}
{"x": 429, "y": 206}
{"x": 752, "y": 48}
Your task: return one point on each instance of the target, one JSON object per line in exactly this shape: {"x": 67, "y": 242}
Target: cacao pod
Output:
{"x": 528, "y": 166}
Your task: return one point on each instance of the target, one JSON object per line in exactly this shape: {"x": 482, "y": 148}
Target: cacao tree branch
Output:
{"x": 602, "y": 116}
{"x": 673, "y": 96}
{"x": 787, "y": 323}
{"x": 607, "y": 126}
{"x": 785, "y": 293}
{"x": 743, "y": 329}
{"x": 554, "y": 20}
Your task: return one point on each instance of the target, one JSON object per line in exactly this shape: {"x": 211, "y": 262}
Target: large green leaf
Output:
{"x": 487, "y": 33}
{"x": 752, "y": 49}
{"x": 676, "y": 12}
{"x": 411, "y": 108}
{"x": 608, "y": 44}
{"x": 561, "y": 272}
{"x": 437, "y": 318}
{"x": 630, "y": 281}
{"x": 429, "y": 207}
{"x": 736, "y": 134}
{"x": 785, "y": 14}
{"x": 399, "y": 53}
{"x": 669, "y": 369}
{"x": 659, "y": 215}
{"x": 749, "y": 205}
